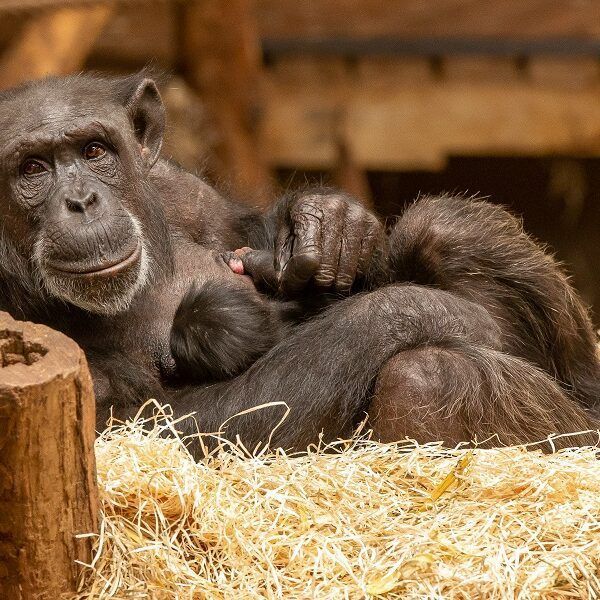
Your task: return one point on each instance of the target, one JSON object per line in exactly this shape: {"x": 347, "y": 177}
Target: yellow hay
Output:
{"x": 371, "y": 520}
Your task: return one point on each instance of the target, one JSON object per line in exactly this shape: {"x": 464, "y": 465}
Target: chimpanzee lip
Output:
{"x": 108, "y": 268}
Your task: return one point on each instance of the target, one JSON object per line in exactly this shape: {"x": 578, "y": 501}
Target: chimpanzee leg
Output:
{"x": 472, "y": 394}
{"x": 479, "y": 252}
{"x": 324, "y": 371}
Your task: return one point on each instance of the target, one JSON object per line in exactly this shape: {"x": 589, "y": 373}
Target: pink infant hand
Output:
{"x": 235, "y": 262}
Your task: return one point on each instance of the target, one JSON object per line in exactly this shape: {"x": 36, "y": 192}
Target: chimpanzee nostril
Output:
{"x": 80, "y": 205}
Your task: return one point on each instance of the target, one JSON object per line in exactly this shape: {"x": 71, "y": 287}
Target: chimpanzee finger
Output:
{"x": 234, "y": 262}
{"x": 306, "y": 252}
{"x": 350, "y": 253}
{"x": 371, "y": 238}
{"x": 297, "y": 273}
{"x": 331, "y": 244}
{"x": 258, "y": 264}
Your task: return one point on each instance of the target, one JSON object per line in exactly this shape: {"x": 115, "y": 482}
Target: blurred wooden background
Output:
{"x": 385, "y": 98}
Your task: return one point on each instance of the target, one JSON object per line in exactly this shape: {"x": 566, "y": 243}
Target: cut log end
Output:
{"x": 14, "y": 350}
{"x": 48, "y": 489}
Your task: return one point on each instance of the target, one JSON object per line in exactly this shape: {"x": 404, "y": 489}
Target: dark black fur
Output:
{"x": 220, "y": 330}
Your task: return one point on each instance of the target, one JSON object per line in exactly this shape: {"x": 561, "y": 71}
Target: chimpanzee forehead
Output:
{"x": 56, "y": 109}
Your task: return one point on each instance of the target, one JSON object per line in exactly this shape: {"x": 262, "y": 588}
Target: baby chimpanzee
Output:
{"x": 220, "y": 328}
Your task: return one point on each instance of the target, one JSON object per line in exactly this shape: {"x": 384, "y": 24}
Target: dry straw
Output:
{"x": 367, "y": 520}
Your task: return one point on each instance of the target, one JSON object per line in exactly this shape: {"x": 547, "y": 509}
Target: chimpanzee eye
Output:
{"x": 94, "y": 150}
{"x": 32, "y": 167}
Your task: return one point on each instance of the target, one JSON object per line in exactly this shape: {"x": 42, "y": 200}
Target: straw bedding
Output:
{"x": 366, "y": 520}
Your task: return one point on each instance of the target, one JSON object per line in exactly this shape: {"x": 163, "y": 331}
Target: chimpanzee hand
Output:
{"x": 257, "y": 264}
{"x": 324, "y": 238}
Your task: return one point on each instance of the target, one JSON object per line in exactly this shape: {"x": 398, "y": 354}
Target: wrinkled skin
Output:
{"x": 464, "y": 327}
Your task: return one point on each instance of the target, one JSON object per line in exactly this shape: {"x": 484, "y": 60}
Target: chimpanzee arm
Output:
{"x": 322, "y": 240}
{"x": 325, "y": 370}
{"x": 480, "y": 252}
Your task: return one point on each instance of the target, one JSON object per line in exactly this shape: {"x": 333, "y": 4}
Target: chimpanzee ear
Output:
{"x": 147, "y": 113}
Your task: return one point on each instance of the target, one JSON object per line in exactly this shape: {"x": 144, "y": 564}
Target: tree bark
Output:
{"x": 48, "y": 491}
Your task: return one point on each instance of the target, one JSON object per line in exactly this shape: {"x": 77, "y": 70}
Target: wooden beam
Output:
{"x": 280, "y": 19}
{"x": 415, "y": 121}
{"x": 27, "y": 5}
{"x": 565, "y": 72}
{"x": 48, "y": 491}
{"x": 53, "y": 43}
{"x": 140, "y": 33}
{"x": 223, "y": 64}
{"x": 347, "y": 175}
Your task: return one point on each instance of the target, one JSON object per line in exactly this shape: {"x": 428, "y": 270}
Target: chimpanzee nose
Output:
{"x": 80, "y": 205}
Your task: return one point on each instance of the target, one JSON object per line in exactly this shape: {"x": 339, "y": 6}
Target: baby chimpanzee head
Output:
{"x": 220, "y": 329}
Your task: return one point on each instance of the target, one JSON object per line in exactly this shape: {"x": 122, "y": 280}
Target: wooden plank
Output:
{"x": 381, "y": 70}
{"x": 138, "y": 34}
{"x": 417, "y": 18}
{"x": 223, "y": 64}
{"x": 417, "y": 124}
{"x": 571, "y": 72}
{"x": 53, "y": 43}
{"x": 480, "y": 68}
{"x": 27, "y": 5}
{"x": 312, "y": 70}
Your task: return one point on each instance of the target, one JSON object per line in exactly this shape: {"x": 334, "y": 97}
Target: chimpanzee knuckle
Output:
{"x": 308, "y": 210}
{"x": 330, "y": 204}
{"x": 306, "y": 224}
{"x": 343, "y": 282}
{"x": 325, "y": 276}
{"x": 335, "y": 203}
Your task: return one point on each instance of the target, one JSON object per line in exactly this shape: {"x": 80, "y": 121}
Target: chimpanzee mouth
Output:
{"x": 104, "y": 287}
{"x": 108, "y": 268}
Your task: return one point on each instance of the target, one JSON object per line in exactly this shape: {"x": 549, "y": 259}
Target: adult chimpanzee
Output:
{"x": 102, "y": 239}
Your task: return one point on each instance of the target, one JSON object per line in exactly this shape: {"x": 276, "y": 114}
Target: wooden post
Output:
{"x": 48, "y": 491}
{"x": 349, "y": 176}
{"x": 53, "y": 42}
{"x": 222, "y": 61}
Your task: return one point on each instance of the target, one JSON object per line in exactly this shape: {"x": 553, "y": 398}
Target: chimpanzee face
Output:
{"x": 74, "y": 159}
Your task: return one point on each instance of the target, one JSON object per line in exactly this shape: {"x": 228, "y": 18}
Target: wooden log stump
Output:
{"x": 48, "y": 491}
